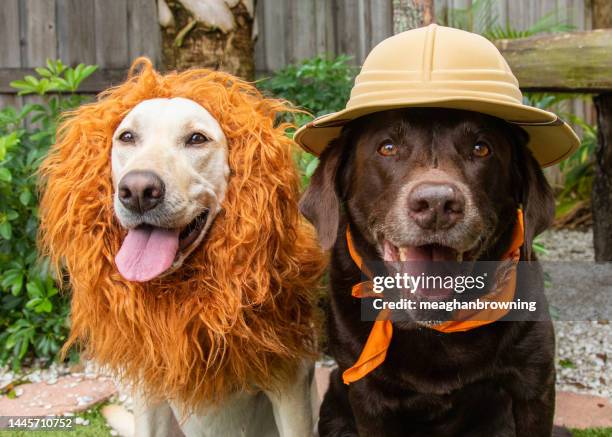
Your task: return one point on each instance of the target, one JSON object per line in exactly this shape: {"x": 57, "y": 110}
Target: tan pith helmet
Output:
{"x": 442, "y": 67}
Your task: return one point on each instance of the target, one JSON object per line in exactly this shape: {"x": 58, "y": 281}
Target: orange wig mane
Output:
{"x": 239, "y": 312}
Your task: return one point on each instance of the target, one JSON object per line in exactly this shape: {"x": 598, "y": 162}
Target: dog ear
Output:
{"x": 535, "y": 194}
{"x": 320, "y": 203}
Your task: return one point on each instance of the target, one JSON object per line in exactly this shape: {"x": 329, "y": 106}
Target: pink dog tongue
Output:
{"x": 146, "y": 253}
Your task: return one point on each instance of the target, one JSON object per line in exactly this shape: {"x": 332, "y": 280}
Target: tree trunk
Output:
{"x": 208, "y": 34}
{"x": 410, "y": 14}
{"x": 602, "y": 180}
{"x": 602, "y": 14}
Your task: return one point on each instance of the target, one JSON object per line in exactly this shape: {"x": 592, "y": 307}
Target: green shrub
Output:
{"x": 33, "y": 315}
{"x": 319, "y": 85}
{"x": 482, "y": 16}
{"x": 578, "y": 170}
{"x": 574, "y": 197}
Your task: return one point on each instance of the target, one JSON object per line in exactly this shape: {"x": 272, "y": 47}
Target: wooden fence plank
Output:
{"x": 10, "y": 49}
{"x": 364, "y": 30}
{"x": 111, "y": 33}
{"x": 144, "y": 34}
{"x": 275, "y": 34}
{"x": 259, "y": 47}
{"x": 301, "y": 39}
{"x": 516, "y": 15}
{"x": 324, "y": 29}
{"x": 381, "y": 21}
{"x": 9, "y": 99}
{"x": 501, "y": 10}
{"x": 75, "y": 24}
{"x": 347, "y": 29}
{"x": 546, "y": 7}
{"x": 40, "y": 36}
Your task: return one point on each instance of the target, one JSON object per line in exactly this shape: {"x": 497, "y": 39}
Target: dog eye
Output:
{"x": 481, "y": 150}
{"x": 387, "y": 148}
{"x": 127, "y": 137}
{"x": 197, "y": 138}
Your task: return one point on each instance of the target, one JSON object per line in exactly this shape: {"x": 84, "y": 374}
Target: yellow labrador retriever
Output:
{"x": 168, "y": 189}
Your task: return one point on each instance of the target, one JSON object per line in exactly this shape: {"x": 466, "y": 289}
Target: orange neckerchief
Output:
{"x": 375, "y": 349}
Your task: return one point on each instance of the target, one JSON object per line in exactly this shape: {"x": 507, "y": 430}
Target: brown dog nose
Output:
{"x": 435, "y": 205}
{"x": 141, "y": 190}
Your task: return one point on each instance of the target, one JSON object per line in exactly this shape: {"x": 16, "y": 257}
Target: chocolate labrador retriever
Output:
{"x": 448, "y": 183}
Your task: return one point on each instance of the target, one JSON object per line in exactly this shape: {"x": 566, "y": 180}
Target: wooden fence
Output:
{"x": 111, "y": 33}
{"x": 520, "y": 14}
{"x": 291, "y": 30}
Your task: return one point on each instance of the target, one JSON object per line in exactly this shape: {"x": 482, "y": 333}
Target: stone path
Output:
{"x": 71, "y": 394}
{"x": 66, "y": 394}
{"x": 582, "y": 411}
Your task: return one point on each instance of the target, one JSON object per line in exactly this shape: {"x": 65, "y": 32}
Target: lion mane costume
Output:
{"x": 239, "y": 313}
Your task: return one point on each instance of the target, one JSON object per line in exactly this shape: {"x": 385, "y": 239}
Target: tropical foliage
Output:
{"x": 33, "y": 314}
{"x": 482, "y": 16}
{"x": 318, "y": 86}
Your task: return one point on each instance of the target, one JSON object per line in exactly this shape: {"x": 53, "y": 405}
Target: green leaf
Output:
{"x": 8, "y": 142}
{"x": 13, "y": 279}
{"x": 11, "y": 214}
{"x": 43, "y": 72}
{"x": 20, "y": 85}
{"x": 312, "y": 166}
{"x": 25, "y": 197}
{"x": 52, "y": 291}
{"x": 5, "y": 174}
{"x": 34, "y": 289}
{"x": 44, "y": 307}
{"x": 88, "y": 71}
{"x": 31, "y": 80}
{"x": 33, "y": 303}
{"x": 17, "y": 285}
{"x": 44, "y": 85}
{"x": 25, "y": 343}
{"x": 6, "y": 230}
{"x": 10, "y": 342}
{"x": 60, "y": 84}
{"x": 70, "y": 79}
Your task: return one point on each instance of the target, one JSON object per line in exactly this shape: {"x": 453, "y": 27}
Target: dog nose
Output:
{"x": 141, "y": 190}
{"x": 435, "y": 205}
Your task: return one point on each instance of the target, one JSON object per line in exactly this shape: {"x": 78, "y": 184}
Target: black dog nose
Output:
{"x": 141, "y": 190}
{"x": 435, "y": 205}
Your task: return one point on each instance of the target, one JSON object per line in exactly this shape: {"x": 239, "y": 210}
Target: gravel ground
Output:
{"x": 584, "y": 348}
